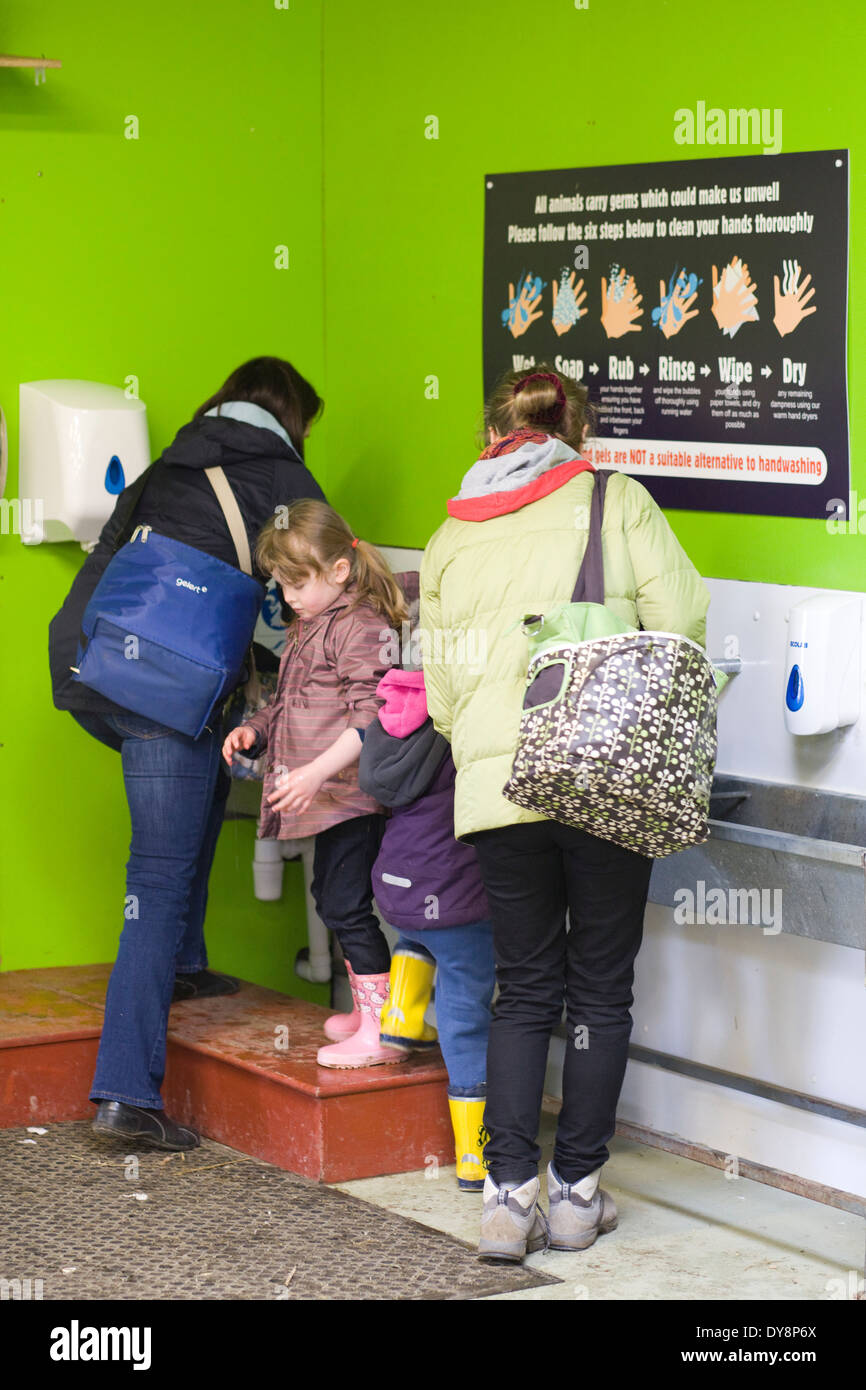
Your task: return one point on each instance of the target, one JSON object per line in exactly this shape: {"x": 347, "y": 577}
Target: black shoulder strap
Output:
{"x": 590, "y": 580}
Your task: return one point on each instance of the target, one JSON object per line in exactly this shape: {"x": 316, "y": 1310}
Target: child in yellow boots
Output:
{"x": 428, "y": 886}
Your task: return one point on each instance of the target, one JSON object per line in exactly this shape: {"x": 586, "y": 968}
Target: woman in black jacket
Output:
{"x": 254, "y": 428}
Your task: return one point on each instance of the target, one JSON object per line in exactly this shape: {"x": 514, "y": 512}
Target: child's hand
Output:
{"x": 296, "y": 789}
{"x": 241, "y": 737}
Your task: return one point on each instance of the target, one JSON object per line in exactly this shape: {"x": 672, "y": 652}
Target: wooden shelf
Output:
{"x": 6, "y": 61}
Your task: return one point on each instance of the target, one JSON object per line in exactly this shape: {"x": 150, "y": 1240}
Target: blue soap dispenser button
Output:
{"x": 114, "y": 479}
{"x": 796, "y": 692}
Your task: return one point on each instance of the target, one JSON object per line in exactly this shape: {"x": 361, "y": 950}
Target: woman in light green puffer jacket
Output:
{"x": 512, "y": 545}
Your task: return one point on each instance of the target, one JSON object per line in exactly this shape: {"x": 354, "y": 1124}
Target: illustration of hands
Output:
{"x": 734, "y": 297}
{"x": 567, "y": 299}
{"x": 676, "y": 301}
{"x": 791, "y": 298}
{"x": 520, "y": 312}
{"x": 619, "y": 303}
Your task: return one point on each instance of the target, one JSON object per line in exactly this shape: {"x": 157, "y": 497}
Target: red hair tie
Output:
{"x": 542, "y": 376}
{"x": 354, "y": 542}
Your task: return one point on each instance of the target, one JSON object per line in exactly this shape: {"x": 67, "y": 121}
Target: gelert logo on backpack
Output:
{"x": 187, "y": 584}
{"x": 76, "y": 1343}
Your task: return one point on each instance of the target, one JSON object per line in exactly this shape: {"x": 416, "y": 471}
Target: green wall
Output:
{"x": 155, "y": 258}
{"x": 305, "y": 127}
{"x": 540, "y": 86}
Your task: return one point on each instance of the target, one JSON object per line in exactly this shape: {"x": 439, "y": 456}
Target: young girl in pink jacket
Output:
{"x": 344, "y": 599}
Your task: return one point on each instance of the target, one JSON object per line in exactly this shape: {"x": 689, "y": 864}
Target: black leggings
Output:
{"x": 534, "y": 873}
{"x": 342, "y": 888}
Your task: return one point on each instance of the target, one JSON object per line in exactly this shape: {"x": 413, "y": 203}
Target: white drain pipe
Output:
{"x": 268, "y": 861}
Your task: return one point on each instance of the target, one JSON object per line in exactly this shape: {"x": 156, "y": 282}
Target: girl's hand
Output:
{"x": 295, "y": 790}
{"x": 241, "y": 737}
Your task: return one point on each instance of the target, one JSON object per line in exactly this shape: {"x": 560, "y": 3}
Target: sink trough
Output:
{"x": 809, "y": 844}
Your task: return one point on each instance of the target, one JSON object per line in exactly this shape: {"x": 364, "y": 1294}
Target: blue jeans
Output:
{"x": 464, "y": 990}
{"x": 176, "y": 801}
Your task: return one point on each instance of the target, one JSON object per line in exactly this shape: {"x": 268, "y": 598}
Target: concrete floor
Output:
{"x": 685, "y": 1232}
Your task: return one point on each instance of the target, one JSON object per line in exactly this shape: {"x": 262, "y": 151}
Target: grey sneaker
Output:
{"x": 512, "y": 1223}
{"x": 578, "y": 1211}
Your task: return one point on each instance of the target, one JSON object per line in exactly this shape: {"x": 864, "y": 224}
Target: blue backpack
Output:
{"x": 168, "y": 627}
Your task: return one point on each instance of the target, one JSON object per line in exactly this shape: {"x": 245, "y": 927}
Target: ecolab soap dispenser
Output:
{"x": 80, "y": 444}
{"x": 822, "y": 677}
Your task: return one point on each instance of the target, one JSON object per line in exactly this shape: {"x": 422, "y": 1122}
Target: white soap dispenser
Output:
{"x": 822, "y": 673}
{"x": 80, "y": 444}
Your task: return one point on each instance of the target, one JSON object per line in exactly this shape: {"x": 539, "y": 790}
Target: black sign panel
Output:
{"x": 703, "y": 303}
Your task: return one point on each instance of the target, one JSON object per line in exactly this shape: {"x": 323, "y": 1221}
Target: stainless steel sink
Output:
{"x": 808, "y": 845}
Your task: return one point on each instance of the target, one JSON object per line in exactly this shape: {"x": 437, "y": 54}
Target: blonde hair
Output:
{"x": 309, "y": 537}
{"x": 549, "y": 402}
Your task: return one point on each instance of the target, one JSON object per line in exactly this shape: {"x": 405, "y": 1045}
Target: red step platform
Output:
{"x": 241, "y": 1068}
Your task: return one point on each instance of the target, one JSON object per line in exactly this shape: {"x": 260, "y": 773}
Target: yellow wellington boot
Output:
{"x": 470, "y": 1137}
{"x": 403, "y": 1015}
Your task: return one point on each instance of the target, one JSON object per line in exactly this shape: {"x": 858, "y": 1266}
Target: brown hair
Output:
{"x": 309, "y": 537}
{"x": 548, "y": 402}
{"x": 276, "y": 386}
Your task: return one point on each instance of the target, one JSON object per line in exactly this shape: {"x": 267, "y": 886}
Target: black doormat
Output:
{"x": 93, "y": 1219}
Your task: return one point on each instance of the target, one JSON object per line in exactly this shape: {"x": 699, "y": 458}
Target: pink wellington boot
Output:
{"x": 363, "y": 1048}
{"x": 340, "y": 1026}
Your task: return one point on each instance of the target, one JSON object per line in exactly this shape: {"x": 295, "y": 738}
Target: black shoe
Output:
{"x": 203, "y": 984}
{"x": 153, "y": 1127}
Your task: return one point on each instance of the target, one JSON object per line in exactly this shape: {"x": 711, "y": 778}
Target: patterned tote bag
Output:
{"x": 618, "y": 731}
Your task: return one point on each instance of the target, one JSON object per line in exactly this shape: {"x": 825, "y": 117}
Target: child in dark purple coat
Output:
{"x": 428, "y": 886}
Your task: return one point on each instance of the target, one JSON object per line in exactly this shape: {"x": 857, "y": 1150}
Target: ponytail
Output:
{"x": 376, "y": 583}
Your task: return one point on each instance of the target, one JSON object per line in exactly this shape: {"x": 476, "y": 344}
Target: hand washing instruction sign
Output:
{"x": 704, "y": 305}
